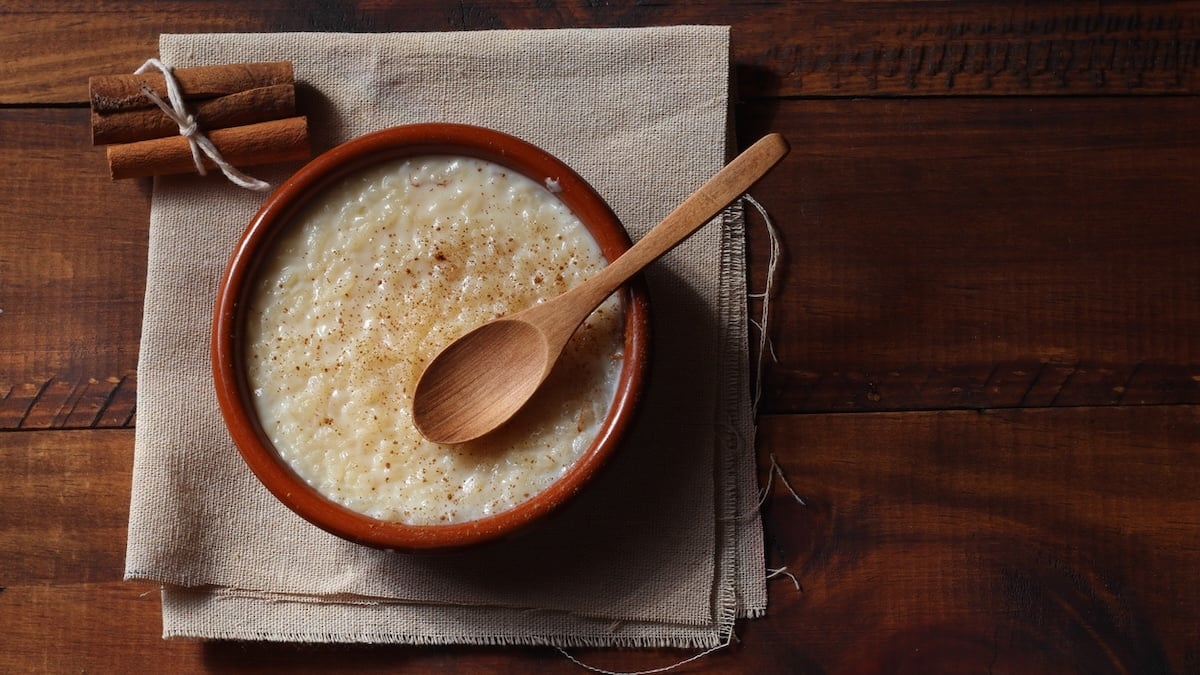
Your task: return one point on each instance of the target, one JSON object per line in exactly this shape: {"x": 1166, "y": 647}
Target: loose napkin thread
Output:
{"x": 763, "y": 324}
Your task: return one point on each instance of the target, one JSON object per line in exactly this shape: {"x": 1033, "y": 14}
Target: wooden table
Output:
{"x": 987, "y": 377}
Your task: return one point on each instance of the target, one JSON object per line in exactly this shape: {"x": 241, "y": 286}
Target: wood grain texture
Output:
{"x": 1053, "y": 540}
{"x": 73, "y": 259}
{"x": 1023, "y": 260}
{"x": 64, "y": 507}
{"x": 930, "y": 542}
{"x": 988, "y": 207}
{"x": 62, "y": 44}
{"x": 821, "y": 48}
{"x": 983, "y": 253}
{"x": 70, "y": 400}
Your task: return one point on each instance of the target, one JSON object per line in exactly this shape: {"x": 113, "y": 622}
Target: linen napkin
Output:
{"x": 665, "y": 549}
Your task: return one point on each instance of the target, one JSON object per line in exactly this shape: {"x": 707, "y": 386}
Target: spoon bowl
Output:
{"x": 494, "y": 392}
{"x": 482, "y": 379}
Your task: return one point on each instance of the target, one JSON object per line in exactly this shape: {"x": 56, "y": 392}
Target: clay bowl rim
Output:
{"x": 294, "y": 194}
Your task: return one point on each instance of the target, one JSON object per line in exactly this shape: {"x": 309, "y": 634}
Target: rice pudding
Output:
{"x": 369, "y": 283}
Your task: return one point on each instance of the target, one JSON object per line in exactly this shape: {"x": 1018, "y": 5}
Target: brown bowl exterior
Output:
{"x": 287, "y": 201}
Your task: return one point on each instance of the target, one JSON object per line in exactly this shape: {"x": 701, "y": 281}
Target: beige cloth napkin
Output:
{"x": 665, "y": 549}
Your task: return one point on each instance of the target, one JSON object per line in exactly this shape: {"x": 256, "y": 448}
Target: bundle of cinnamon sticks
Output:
{"x": 247, "y": 110}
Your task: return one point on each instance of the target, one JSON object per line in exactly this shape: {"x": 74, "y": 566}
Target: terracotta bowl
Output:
{"x": 275, "y": 216}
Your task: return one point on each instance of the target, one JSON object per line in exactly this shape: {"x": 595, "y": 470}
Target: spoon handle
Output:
{"x": 727, "y": 185}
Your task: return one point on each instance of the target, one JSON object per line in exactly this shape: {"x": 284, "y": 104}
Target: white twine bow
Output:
{"x": 197, "y": 141}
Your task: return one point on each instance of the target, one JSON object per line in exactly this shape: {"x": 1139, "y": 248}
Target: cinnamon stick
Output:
{"x": 110, "y": 93}
{"x": 235, "y": 110}
{"x": 249, "y": 145}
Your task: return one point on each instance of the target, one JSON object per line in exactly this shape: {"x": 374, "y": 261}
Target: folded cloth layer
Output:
{"x": 664, "y": 549}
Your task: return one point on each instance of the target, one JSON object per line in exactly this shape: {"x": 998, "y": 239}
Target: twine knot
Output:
{"x": 189, "y": 128}
{"x": 200, "y": 144}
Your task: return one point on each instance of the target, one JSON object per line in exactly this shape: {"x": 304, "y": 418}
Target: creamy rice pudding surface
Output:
{"x": 369, "y": 284}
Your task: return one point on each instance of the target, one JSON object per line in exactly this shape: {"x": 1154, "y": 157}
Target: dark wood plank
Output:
{"x": 983, "y": 253}
{"x": 1025, "y": 540}
{"x": 115, "y": 627}
{"x": 71, "y": 401}
{"x": 1053, "y": 540}
{"x": 64, "y": 506}
{"x": 64, "y": 503}
{"x": 821, "y": 48}
{"x": 73, "y": 251}
{"x": 1009, "y": 267}
{"x": 920, "y": 49}
{"x": 103, "y": 626}
{"x": 52, "y": 49}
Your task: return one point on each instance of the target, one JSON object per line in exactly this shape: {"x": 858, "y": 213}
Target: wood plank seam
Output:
{"x": 995, "y": 59}
{"x": 1124, "y": 388}
{"x": 1001, "y": 385}
{"x": 1063, "y": 386}
{"x": 1032, "y": 382}
{"x": 108, "y": 400}
{"x": 1058, "y": 62}
{"x": 54, "y": 403}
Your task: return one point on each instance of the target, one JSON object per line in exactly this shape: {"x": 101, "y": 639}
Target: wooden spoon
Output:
{"x": 484, "y": 377}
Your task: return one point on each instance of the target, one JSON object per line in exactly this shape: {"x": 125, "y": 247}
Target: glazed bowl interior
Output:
{"x": 277, "y": 214}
